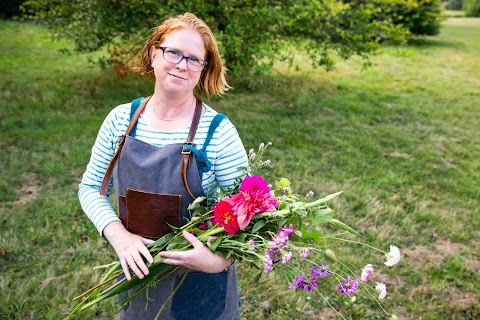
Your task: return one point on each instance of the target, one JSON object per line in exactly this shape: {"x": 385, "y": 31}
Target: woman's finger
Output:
{"x": 192, "y": 239}
{"x": 147, "y": 241}
{"x": 124, "y": 264}
{"x": 131, "y": 262}
{"x": 144, "y": 251}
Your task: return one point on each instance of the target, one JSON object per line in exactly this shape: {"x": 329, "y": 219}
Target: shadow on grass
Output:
{"x": 430, "y": 43}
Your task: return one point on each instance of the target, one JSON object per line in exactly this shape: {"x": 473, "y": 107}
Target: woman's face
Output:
{"x": 178, "y": 78}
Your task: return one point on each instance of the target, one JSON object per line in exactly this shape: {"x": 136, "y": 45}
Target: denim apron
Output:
{"x": 201, "y": 296}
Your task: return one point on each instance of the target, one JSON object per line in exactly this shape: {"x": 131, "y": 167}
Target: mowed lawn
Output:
{"x": 401, "y": 139}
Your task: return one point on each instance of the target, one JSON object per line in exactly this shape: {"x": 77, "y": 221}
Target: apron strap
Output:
{"x": 131, "y": 126}
{"x": 201, "y": 156}
{"x": 187, "y": 153}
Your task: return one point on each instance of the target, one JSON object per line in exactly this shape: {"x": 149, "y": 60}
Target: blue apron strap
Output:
{"x": 211, "y": 130}
{"x": 133, "y": 108}
{"x": 201, "y": 155}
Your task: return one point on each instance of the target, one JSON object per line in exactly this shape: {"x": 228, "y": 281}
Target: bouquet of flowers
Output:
{"x": 267, "y": 228}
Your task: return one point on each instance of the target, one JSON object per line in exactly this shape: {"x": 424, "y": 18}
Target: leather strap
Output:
{"x": 191, "y": 135}
{"x": 111, "y": 164}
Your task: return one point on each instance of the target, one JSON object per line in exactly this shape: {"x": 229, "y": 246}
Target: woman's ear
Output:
{"x": 152, "y": 53}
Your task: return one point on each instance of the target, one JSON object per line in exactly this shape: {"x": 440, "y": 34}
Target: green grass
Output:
{"x": 400, "y": 139}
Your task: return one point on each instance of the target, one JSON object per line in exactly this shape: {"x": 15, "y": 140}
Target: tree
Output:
{"x": 471, "y": 8}
{"x": 252, "y": 33}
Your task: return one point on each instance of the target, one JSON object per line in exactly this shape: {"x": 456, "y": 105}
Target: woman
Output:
{"x": 182, "y": 57}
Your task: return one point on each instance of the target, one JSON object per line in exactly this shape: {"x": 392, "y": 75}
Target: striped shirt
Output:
{"x": 225, "y": 151}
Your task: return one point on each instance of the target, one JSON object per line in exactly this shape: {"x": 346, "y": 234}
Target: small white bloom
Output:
{"x": 366, "y": 272}
{"x": 251, "y": 151}
{"x": 252, "y": 156}
{"x": 382, "y": 290}
{"x": 393, "y": 257}
{"x": 262, "y": 145}
{"x": 310, "y": 194}
{"x": 298, "y": 233}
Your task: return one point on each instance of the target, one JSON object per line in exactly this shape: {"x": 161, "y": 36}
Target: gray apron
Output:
{"x": 202, "y": 296}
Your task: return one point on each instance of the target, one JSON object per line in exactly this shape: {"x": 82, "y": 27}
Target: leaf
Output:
{"x": 258, "y": 225}
{"x": 241, "y": 237}
{"x": 214, "y": 244}
{"x": 321, "y": 216}
{"x": 343, "y": 226}
{"x": 163, "y": 240}
{"x": 258, "y": 276}
{"x": 196, "y": 203}
{"x": 307, "y": 235}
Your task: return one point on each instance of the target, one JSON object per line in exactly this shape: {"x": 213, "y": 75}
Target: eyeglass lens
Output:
{"x": 175, "y": 56}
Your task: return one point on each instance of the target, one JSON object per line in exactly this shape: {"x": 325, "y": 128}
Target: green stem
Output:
{"x": 360, "y": 243}
{"x": 284, "y": 212}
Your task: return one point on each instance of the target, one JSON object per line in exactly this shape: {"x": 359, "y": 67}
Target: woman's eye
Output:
{"x": 193, "y": 59}
{"x": 173, "y": 52}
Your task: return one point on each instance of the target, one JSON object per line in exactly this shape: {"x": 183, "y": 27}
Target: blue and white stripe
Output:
{"x": 225, "y": 151}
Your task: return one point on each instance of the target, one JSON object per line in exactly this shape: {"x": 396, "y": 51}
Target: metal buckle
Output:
{"x": 185, "y": 150}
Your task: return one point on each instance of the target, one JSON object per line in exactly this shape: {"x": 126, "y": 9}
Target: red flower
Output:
{"x": 224, "y": 217}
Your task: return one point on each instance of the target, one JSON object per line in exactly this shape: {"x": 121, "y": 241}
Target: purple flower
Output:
{"x": 275, "y": 254}
{"x": 321, "y": 272}
{"x": 287, "y": 257}
{"x": 366, "y": 272}
{"x": 349, "y": 286}
{"x": 305, "y": 254}
{"x": 282, "y": 237}
{"x": 252, "y": 244}
{"x": 308, "y": 284}
{"x": 267, "y": 267}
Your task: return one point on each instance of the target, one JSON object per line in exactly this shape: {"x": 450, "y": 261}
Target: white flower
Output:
{"x": 393, "y": 257}
{"x": 381, "y": 289}
{"x": 366, "y": 272}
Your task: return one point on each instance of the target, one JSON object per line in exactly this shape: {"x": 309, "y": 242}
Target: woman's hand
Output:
{"x": 129, "y": 248}
{"x": 200, "y": 258}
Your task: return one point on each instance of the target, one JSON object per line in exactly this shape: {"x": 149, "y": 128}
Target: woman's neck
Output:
{"x": 171, "y": 104}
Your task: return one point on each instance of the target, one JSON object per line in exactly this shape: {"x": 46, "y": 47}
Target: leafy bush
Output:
{"x": 252, "y": 33}
{"x": 454, "y": 5}
{"x": 471, "y": 8}
{"x": 10, "y": 8}
{"x": 419, "y": 17}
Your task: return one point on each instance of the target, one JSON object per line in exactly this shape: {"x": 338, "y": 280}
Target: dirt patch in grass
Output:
{"x": 30, "y": 190}
{"x": 443, "y": 248}
{"x": 459, "y": 301}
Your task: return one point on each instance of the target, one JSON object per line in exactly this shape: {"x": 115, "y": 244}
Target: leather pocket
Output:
{"x": 149, "y": 214}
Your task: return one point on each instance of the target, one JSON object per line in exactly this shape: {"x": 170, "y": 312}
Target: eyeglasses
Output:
{"x": 174, "y": 56}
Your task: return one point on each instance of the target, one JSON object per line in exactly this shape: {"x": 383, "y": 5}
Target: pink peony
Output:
{"x": 253, "y": 185}
{"x": 246, "y": 206}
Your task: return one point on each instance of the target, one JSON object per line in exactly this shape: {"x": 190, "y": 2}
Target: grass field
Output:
{"x": 401, "y": 139}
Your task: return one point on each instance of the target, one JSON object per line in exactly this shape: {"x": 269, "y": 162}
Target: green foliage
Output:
{"x": 10, "y": 8}
{"x": 454, "y": 5}
{"x": 471, "y": 8}
{"x": 252, "y": 33}
{"x": 419, "y": 17}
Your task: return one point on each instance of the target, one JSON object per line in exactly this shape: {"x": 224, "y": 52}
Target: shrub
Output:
{"x": 471, "y": 8}
{"x": 419, "y": 17}
{"x": 10, "y": 8}
{"x": 252, "y": 33}
{"x": 454, "y": 5}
